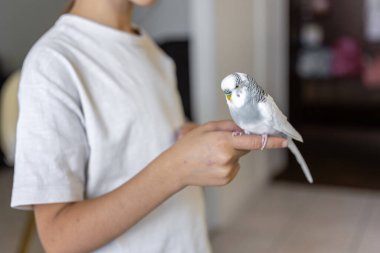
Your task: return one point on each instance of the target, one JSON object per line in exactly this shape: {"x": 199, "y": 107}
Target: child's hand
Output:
{"x": 209, "y": 154}
{"x": 185, "y": 128}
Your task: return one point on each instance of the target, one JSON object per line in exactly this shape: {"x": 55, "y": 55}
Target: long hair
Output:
{"x": 69, "y": 6}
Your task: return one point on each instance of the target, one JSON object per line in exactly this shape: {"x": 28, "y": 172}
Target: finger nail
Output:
{"x": 284, "y": 144}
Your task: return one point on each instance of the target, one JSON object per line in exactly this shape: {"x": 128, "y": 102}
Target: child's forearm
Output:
{"x": 87, "y": 225}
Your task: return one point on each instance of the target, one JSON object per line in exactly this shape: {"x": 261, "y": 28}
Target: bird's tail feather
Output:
{"x": 293, "y": 148}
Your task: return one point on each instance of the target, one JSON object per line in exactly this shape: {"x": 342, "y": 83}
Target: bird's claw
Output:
{"x": 237, "y": 133}
{"x": 264, "y": 140}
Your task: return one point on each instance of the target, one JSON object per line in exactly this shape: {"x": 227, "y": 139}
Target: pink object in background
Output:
{"x": 320, "y": 7}
{"x": 346, "y": 57}
{"x": 371, "y": 75}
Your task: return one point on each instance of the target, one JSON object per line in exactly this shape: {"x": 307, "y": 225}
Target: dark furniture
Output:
{"x": 178, "y": 50}
{"x": 339, "y": 117}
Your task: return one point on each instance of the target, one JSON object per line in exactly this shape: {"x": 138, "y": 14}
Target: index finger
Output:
{"x": 222, "y": 125}
{"x": 252, "y": 142}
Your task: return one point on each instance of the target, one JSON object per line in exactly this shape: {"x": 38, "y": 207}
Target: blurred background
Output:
{"x": 320, "y": 61}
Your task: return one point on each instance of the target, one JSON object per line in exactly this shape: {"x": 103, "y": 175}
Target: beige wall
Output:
{"x": 22, "y": 22}
{"x": 246, "y": 36}
{"x": 167, "y": 19}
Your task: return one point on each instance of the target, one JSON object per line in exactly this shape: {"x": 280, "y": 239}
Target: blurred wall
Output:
{"x": 247, "y": 36}
{"x": 274, "y": 42}
{"x": 167, "y": 19}
{"x": 22, "y": 22}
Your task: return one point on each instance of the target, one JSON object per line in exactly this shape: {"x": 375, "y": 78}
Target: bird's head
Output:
{"x": 235, "y": 88}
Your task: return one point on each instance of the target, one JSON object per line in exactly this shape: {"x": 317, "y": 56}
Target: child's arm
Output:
{"x": 208, "y": 155}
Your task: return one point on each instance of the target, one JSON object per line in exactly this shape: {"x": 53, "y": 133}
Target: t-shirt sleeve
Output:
{"x": 51, "y": 147}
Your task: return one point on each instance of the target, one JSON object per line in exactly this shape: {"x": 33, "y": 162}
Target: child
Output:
{"x": 95, "y": 158}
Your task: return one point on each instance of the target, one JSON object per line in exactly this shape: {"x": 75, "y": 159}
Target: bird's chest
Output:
{"x": 251, "y": 119}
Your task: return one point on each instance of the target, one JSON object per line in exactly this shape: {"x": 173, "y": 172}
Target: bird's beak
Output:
{"x": 228, "y": 97}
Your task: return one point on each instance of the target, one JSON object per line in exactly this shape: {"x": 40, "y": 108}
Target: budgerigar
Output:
{"x": 255, "y": 111}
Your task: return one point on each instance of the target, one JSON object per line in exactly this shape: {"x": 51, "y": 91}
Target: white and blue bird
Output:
{"x": 255, "y": 111}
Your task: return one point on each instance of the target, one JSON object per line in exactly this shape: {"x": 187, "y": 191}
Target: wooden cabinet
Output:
{"x": 333, "y": 100}
{"x": 338, "y": 115}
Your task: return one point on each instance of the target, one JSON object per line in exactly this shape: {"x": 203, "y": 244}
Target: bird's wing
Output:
{"x": 279, "y": 120}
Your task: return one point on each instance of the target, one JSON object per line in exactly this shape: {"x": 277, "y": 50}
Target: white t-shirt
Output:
{"x": 96, "y": 106}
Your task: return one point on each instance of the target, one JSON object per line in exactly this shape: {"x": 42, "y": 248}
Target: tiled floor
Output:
{"x": 290, "y": 218}
{"x": 286, "y": 218}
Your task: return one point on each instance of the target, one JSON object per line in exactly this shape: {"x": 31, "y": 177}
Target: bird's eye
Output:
{"x": 236, "y": 86}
